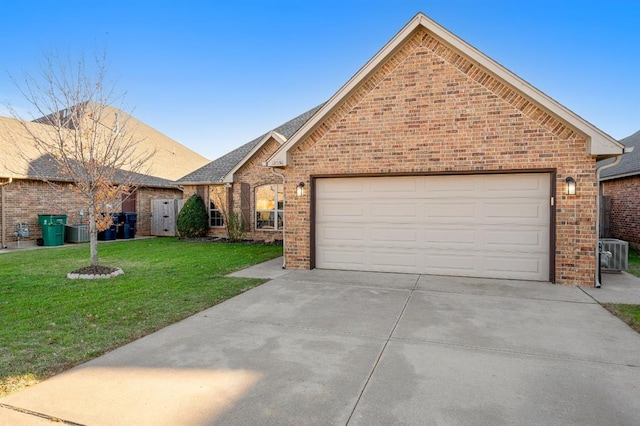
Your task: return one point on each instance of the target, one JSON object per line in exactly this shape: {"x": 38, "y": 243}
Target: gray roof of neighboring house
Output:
{"x": 629, "y": 163}
{"x": 47, "y": 168}
{"x": 215, "y": 171}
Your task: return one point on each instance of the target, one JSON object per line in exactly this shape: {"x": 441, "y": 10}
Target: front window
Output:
{"x": 216, "y": 204}
{"x": 270, "y": 207}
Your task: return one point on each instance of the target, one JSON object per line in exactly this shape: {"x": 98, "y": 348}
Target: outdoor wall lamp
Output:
{"x": 300, "y": 189}
{"x": 571, "y": 186}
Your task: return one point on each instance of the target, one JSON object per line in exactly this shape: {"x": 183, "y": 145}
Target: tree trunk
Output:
{"x": 93, "y": 234}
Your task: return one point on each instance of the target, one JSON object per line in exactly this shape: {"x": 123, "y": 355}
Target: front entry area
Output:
{"x": 484, "y": 225}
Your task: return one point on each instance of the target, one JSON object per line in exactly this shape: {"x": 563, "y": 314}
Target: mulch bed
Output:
{"x": 95, "y": 270}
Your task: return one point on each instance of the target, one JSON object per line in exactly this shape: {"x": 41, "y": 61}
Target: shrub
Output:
{"x": 235, "y": 227}
{"x": 193, "y": 218}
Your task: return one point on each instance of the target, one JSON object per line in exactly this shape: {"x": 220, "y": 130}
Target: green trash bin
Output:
{"x": 52, "y": 228}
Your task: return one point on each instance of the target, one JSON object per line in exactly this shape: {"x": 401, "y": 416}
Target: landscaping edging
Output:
{"x": 74, "y": 276}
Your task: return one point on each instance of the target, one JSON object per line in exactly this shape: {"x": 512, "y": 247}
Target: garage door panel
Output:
{"x": 395, "y": 235}
{"x": 334, "y": 210}
{"x": 506, "y": 265}
{"x": 399, "y": 185}
{"x": 406, "y": 260}
{"x": 472, "y": 225}
{"x": 448, "y": 263}
{"x": 449, "y": 186}
{"x": 449, "y": 237}
{"x": 343, "y": 188}
{"x": 518, "y": 183}
{"x": 517, "y": 239}
{"x": 336, "y": 234}
{"x": 396, "y": 211}
{"x": 517, "y": 209}
{"x": 450, "y": 209}
{"x": 343, "y": 259}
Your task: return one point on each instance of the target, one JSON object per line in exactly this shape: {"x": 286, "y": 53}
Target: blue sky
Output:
{"x": 215, "y": 74}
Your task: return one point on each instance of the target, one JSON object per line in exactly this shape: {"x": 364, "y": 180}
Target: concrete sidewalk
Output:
{"x": 617, "y": 288}
{"x": 337, "y": 348}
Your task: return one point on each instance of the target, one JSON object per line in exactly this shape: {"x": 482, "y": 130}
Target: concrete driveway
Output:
{"x": 346, "y": 348}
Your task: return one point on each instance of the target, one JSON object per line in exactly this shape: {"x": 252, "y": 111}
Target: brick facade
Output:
{"x": 242, "y": 196}
{"x": 625, "y": 208}
{"x": 429, "y": 110}
{"x": 251, "y": 175}
{"x": 26, "y": 199}
{"x": 143, "y": 205}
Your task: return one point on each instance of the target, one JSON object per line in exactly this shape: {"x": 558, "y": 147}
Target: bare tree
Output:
{"x": 233, "y": 222}
{"x": 84, "y": 140}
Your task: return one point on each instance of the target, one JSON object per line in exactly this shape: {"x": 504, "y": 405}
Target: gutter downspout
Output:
{"x": 598, "y": 284}
{"x": 2, "y": 214}
{"x": 284, "y": 209}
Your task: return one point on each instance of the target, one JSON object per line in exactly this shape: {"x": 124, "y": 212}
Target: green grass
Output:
{"x": 634, "y": 262}
{"x": 630, "y": 314}
{"x": 49, "y": 323}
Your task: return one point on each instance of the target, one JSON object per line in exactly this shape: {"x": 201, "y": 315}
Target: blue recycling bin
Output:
{"x": 111, "y": 232}
{"x": 127, "y": 225}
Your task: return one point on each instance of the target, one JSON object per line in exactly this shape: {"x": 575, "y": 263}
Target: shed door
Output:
{"x": 495, "y": 226}
{"x": 164, "y": 213}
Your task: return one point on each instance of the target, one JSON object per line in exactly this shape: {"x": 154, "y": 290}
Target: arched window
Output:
{"x": 270, "y": 207}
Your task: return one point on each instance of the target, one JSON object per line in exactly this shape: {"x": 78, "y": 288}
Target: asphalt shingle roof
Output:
{"x": 629, "y": 163}
{"x": 215, "y": 171}
{"x": 20, "y": 159}
{"x": 46, "y": 167}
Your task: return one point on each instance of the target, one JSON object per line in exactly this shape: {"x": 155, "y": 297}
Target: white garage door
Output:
{"x": 494, "y": 226}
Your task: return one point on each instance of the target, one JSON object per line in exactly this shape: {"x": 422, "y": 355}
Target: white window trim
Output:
{"x": 217, "y": 209}
{"x": 275, "y": 210}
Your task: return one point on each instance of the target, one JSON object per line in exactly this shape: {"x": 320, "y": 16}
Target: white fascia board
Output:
{"x": 229, "y": 178}
{"x": 599, "y": 142}
{"x": 602, "y": 144}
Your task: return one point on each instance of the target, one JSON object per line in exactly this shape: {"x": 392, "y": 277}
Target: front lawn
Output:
{"x": 49, "y": 323}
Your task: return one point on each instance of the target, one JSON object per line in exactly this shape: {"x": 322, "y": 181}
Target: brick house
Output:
{"x": 24, "y": 194}
{"x": 239, "y": 182}
{"x": 435, "y": 159}
{"x": 621, "y": 183}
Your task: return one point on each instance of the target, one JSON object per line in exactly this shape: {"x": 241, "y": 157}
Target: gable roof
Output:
{"x": 15, "y": 145}
{"x": 629, "y": 164}
{"x": 222, "y": 169}
{"x": 271, "y": 135}
{"x": 171, "y": 160}
{"x": 600, "y": 144}
{"x": 19, "y": 158}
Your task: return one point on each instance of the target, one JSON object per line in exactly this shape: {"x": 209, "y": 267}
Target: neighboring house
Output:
{"x": 24, "y": 194}
{"x": 621, "y": 183}
{"x": 239, "y": 182}
{"x": 170, "y": 160}
{"x": 432, "y": 159}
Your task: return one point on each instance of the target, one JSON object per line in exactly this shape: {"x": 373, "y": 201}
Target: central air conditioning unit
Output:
{"x": 619, "y": 259}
